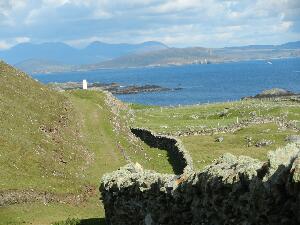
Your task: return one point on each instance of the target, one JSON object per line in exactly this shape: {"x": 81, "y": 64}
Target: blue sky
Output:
{"x": 179, "y": 23}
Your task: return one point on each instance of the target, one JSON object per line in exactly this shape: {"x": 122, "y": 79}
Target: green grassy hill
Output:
{"x": 39, "y": 136}
{"x": 56, "y": 146}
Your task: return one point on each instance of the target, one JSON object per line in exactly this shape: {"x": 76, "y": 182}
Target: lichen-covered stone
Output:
{"x": 293, "y": 139}
{"x": 296, "y": 170}
{"x": 263, "y": 143}
{"x": 233, "y": 190}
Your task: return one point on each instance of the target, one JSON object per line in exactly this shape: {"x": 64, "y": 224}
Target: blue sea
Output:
{"x": 199, "y": 83}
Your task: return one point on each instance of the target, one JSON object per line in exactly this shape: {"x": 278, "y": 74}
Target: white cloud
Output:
{"x": 32, "y": 16}
{"x": 174, "y": 6}
{"x": 6, "y": 44}
{"x": 177, "y": 22}
{"x": 9, "y": 10}
{"x": 284, "y": 26}
{"x": 22, "y": 39}
{"x": 101, "y": 14}
{"x": 55, "y": 3}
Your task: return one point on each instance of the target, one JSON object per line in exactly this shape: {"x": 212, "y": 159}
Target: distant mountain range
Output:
{"x": 57, "y": 55}
{"x": 60, "y": 57}
{"x": 32, "y": 66}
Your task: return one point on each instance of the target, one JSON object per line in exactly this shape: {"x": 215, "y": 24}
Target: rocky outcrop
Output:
{"x": 233, "y": 190}
{"x": 272, "y": 93}
{"x": 178, "y": 157}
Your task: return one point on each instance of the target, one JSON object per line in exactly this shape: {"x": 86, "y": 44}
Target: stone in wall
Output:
{"x": 233, "y": 190}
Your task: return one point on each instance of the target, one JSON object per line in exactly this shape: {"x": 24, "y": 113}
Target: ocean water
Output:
{"x": 199, "y": 83}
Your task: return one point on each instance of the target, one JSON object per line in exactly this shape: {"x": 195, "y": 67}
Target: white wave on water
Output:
{"x": 296, "y": 71}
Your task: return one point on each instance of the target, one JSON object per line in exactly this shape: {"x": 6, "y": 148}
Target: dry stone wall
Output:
{"x": 232, "y": 190}
{"x": 178, "y": 157}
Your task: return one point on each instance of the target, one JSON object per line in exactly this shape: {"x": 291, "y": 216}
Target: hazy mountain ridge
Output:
{"x": 198, "y": 55}
{"x": 288, "y": 45}
{"x": 117, "y": 50}
{"x": 59, "y": 57}
{"x": 58, "y": 52}
{"x": 43, "y": 66}
{"x": 65, "y": 54}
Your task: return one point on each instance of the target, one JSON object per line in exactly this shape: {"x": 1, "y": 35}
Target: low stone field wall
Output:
{"x": 233, "y": 190}
{"x": 178, "y": 157}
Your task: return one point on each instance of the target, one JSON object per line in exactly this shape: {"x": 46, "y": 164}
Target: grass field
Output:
{"x": 174, "y": 119}
{"x": 203, "y": 148}
{"x": 62, "y": 143}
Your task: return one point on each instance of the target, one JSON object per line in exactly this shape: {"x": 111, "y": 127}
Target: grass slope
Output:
{"x": 61, "y": 143}
{"x": 38, "y": 142}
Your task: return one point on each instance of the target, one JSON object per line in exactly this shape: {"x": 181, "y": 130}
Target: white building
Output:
{"x": 84, "y": 85}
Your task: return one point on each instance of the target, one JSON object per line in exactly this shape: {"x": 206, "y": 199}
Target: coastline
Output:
{"x": 161, "y": 65}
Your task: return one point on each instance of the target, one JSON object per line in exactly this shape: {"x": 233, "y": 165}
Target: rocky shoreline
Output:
{"x": 275, "y": 93}
{"x": 114, "y": 88}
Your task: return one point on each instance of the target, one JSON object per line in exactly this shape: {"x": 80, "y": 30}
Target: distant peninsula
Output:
{"x": 59, "y": 57}
{"x": 114, "y": 88}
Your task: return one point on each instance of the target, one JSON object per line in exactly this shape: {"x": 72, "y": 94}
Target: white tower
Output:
{"x": 84, "y": 84}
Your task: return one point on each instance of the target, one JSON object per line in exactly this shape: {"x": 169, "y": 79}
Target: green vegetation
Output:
{"x": 38, "y": 134}
{"x": 204, "y": 149}
{"x": 170, "y": 120}
{"x": 62, "y": 143}
{"x": 40, "y": 214}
